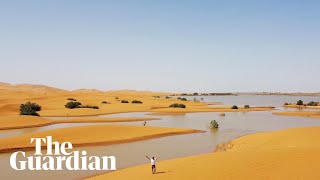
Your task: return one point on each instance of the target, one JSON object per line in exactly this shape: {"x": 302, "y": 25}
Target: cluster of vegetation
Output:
{"x": 168, "y": 97}
{"x": 195, "y": 94}
{"x": 156, "y": 96}
{"x": 300, "y": 102}
{"x": 30, "y": 108}
{"x": 116, "y": 97}
{"x": 214, "y": 124}
{"x": 105, "y": 102}
{"x": 246, "y": 106}
{"x": 312, "y": 103}
{"x": 71, "y": 99}
{"x": 177, "y": 105}
{"x": 286, "y": 103}
{"x": 136, "y": 102}
{"x": 234, "y": 107}
{"x": 75, "y": 104}
{"x": 182, "y": 99}
{"x": 124, "y": 101}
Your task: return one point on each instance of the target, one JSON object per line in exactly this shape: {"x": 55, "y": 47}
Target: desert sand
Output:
{"x": 53, "y": 100}
{"x": 92, "y": 135}
{"x": 312, "y": 114}
{"x": 285, "y": 154}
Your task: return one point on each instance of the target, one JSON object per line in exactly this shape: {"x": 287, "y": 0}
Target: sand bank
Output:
{"x": 311, "y": 114}
{"x": 285, "y": 154}
{"x": 18, "y": 122}
{"x": 92, "y": 135}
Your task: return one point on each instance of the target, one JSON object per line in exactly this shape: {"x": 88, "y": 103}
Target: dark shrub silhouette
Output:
{"x": 176, "y": 105}
{"x": 136, "y": 102}
{"x": 30, "y": 108}
{"x": 72, "y": 105}
{"x": 300, "y": 102}
{"x": 124, "y": 101}
{"x": 234, "y": 107}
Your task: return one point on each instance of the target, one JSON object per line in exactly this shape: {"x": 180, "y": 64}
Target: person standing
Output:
{"x": 153, "y": 164}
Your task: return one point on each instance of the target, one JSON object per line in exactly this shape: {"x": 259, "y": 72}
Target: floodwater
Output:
{"x": 233, "y": 125}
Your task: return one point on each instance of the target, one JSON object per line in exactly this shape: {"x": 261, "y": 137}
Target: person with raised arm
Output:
{"x": 153, "y": 164}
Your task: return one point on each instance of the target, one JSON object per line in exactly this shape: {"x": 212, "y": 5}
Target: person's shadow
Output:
{"x": 162, "y": 172}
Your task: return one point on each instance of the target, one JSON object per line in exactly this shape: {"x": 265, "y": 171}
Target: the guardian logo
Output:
{"x": 63, "y": 158}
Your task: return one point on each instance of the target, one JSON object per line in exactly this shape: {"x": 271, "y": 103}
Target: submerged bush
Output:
{"x": 176, "y": 105}
{"x": 124, "y": 101}
{"x": 300, "y": 102}
{"x": 183, "y": 99}
{"x": 71, "y": 99}
{"x": 246, "y": 106}
{"x": 72, "y": 105}
{"x": 312, "y": 103}
{"x": 234, "y": 107}
{"x": 136, "y": 102}
{"x": 214, "y": 124}
{"x": 30, "y": 108}
{"x": 75, "y": 104}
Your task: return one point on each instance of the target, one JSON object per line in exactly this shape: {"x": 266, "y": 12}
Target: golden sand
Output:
{"x": 34, "y": 121}
{"x": 311, "y": 114}
{"x": 285, "y": 154}
{"x": 53, "y": 102}
{"x": 92, "y": 135}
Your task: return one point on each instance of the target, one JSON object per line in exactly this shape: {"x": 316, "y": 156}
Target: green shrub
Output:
{"x": 30, "y": 109}
{"x": 124, "y": 101}
{"x": 195, "y": 94}
{"x": 179, "y": 98}
{"x": 246, "y": 106}
{"x": 286, "y": 103}
{"x": 168, "y": 97}
{"x": 72, "y": 105}
{"x": 183, "y": 99}
{"x": 234, "y": 107}
{"x": 300, "y": 102}
{"x": 176, "y": 105}
{"x": 312, "y": 103}
{"x": 214, "y": 124}
{"x": 136, "y": 102}
{"x": 71, "y": 99}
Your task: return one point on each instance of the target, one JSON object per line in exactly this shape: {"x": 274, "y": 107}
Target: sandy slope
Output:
{"x": 34, "y": 121}
{"x": 285, "y": 154}
{"x": 92, "y": 135}
{"x": 311, "y": 114}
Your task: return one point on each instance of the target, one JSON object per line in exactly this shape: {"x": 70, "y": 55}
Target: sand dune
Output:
{"x": 312, "y": 114}
{"x": 92, "y": 135}
{"x": 34, "y": 121}
{"x": 285, "y": 154}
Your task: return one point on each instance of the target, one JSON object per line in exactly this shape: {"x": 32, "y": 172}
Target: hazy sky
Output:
{"x": 213, "y": 46}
